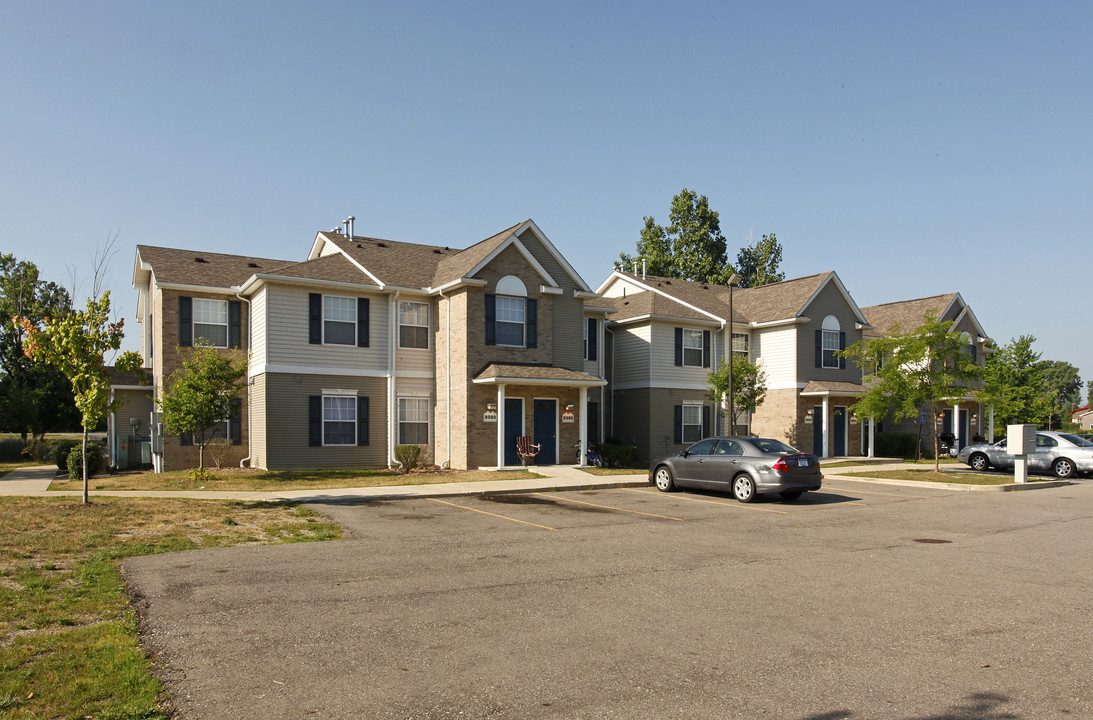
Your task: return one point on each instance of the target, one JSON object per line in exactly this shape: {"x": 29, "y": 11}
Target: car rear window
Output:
{"x": 1079, "y": 441}
{"x": 774, "y": 446}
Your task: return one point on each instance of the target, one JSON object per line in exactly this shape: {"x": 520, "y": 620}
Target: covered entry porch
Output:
{"x": 835, "y": 432}
{"x": 545, "y": 403}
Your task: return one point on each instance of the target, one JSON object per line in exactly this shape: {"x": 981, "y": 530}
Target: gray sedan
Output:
{"x": 745, "y": 466}
{"x": 1060, "y": 453}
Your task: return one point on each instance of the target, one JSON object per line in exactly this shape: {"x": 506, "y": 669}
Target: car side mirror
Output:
{"x": 683, "y": 453}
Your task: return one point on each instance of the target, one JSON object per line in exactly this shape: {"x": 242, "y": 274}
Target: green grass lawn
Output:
{"x": 235, "y": 479}
{"x": 68, "y": 636}
{"x": 959, "y": 478}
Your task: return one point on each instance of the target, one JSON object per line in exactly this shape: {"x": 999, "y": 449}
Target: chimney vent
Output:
{"x": 200, "y": 260}
{"x": 350, "y": 220}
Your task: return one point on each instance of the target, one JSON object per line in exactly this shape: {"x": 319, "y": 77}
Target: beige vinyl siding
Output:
{"x": 829, "y": 301}
{"x": 286, "y": 329}
{"x": 417, "y": 362}
{"x": 622, "y": 288}
{"x": 258, "y": 328}
{"x": 776, "y": 350}
{"x": 258, "y": 440}
{"x": 631, "y": 356}
{"x": 287, "y": 422}
{"x": 665, "y": 372}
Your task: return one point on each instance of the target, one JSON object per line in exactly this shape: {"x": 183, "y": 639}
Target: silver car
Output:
{"x": 745, "y": 466}
{"x": 1060, "y": 453}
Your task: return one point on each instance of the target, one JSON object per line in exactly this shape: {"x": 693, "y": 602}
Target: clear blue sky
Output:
{"x": 914, "y": 148}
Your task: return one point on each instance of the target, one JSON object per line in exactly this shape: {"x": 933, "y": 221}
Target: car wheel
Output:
{"x": 979, "y": 462}
{"x": 790, "y": 494}
{"x": 1063, "y": 468}
{"x": 663, "y": 479}
{"x": 743, "y": 488}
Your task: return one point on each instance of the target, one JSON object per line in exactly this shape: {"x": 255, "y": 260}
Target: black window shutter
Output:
{"x": 705, "y": 421}
{"x": 679, "y": 424}
{"x": 235, "y": 421}
{"x": 315, "y": 420}
{"x": 235, "y": 324}
{"x": 491, "y": 319}
{"x": 819, "y": 348}
{"x": 362, "y": 421}
{"x": 315, "y": 318}
{"x": 842, "y": 346}
{"x": 705, "y": 348}
{"x": 592, "y": 338}
{"x": 363, "y": 319}
{"x": 185, "y": 321}
{"x": 532, "y": 323}
{"x": 679, "y": 349}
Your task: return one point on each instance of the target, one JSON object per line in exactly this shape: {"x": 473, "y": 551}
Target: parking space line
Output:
{"x": 734, "y": 505}
{"x": 503, "y": 517}
{"x": 874, "y": 492}
{"x": 609, "y": 507}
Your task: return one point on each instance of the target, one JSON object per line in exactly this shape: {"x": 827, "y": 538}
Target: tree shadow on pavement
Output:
{"x": 980, "y": 706}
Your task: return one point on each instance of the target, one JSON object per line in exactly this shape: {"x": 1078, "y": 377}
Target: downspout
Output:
{"x": 250, "y": 341}
{"x": 724, "y": 347}
{"x": 448, "y": 370}
{"x": 110, "y": 439}
{"x": 392, "y": 401}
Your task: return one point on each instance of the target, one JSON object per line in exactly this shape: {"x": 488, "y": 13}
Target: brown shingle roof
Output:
{"x": 832, "y": 387}
{"x": 207, "y": 269}
{"x": 393, "y": 263}
{"x": 768, "y": 303}
{"x": 336, "y": 268}
{"x": 907, "y": 314}
{"x": 532, "y": 373}
{"x": 649, "y": 303}
{"x": 453, "y": 267}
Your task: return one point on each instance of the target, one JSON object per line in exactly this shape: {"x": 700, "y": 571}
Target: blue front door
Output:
{"x": 514, "y": 428}
{"x": 818, "y": 431}
{"x": 838, "y": 436}
{"x": 546, "y": 429}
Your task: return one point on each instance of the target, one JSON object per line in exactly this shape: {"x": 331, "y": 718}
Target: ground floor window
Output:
{"x": 339, "y": 420}
{"x": 413, "y": 421}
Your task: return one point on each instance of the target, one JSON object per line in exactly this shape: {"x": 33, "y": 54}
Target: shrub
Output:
{"x": 94, "y": 461}
{"x": 11, "y": 450}
{"x": 619, "y": 455}
{"x": 61, "y": 450}
{"x": 202, "y": 475}
{"x": 893, "y": 444}
{"x": 409, "y": 456}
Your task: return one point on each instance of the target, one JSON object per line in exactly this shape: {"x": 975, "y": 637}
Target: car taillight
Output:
{"x": 781, "y": 465}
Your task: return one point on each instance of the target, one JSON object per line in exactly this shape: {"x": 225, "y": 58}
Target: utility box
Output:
{"x": 1020, "y": 443}
{"x": 121, "y": 452}
{"x": 1020, "y": 439}
{"x": 145, "y": 452}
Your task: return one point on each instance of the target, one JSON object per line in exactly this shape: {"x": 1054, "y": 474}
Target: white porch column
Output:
{"x": 826, "y": 450}
{"x": 582, "y": 424}
{"x": 872, "y": 436}
{"x": 956, "y": 425}
{"x": 500, "y": 425}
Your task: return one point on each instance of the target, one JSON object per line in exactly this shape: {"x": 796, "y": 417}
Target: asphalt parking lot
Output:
{"x": 860, "y": 601}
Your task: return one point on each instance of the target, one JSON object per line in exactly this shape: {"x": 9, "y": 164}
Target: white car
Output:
{"x": 1060, "y": 453}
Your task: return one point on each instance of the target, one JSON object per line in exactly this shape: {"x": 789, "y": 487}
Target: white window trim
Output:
{"x": 339, "y": 394}
{"x": 428, "y": 418}
{"x": 747, "y": 342}
{"x": 701, "y": 347}
{"x": 356, "y": 320}
{"x": 685, "y": 424}
{"x": 523, "y": 324}
{"x": 826, "y": 335}
{"x": 226, "y": 324}
{"x": 401, "y": 324}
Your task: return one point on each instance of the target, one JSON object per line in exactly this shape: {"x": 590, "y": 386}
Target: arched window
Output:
{"x": 831, "y": 342}
{"x": 511, "y": 315}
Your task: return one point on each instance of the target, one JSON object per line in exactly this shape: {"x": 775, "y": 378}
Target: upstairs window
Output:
{"x": 830, "y": 340}
{"x": 591, "y": 338}
{"x": 211, "y": 322}
{"x": 510, "y": 321}
{"x": 339, "y": 320}
{"x": 692, "y": 348}
{"x": 413, "y": 325}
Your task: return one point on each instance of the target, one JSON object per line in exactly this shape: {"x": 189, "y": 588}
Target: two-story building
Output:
{"x": 668, "y": 334}
{"x": 367, "y": 344}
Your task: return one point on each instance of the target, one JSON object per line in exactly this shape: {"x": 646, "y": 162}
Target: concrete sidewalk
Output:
{"x": 34, "y": 481}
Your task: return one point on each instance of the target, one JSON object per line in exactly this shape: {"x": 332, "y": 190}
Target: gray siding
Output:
{"x": 287, "y": 422}
{"x": 829, "y": 302}
{"x": 567, "y": 311}
{"x": 647, "y": 417}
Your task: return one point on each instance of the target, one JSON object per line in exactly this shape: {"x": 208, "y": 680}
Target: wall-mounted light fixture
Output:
{"x": 568, "y": 408}
{"x": 491, "y": 406}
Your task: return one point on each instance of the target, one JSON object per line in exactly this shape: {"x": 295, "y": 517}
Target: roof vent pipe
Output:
{"x": 643, "y": 268}
{"x": 351, "y": 219}
{"x": 345, "y": 228}
{"x": 635, "y": 267}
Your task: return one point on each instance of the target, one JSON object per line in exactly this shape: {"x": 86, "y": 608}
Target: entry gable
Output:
{"x": 833, "y": 279}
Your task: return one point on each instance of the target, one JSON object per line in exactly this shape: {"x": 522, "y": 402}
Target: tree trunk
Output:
{"x": 86, "y": 501}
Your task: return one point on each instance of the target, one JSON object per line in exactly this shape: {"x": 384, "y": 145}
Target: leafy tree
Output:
{"x": 35, "y": 397}
{"x": 749, "y": 385}
{"x": 1062, "y": 388}
{"x": 1013, "y": 383}
{"x": 77, "y": 344}
{"x": 905, "y": 372}
{"x": 198, "y": 396}
{"x": 691, "y": 247}
{"x": 758, "y": 262}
